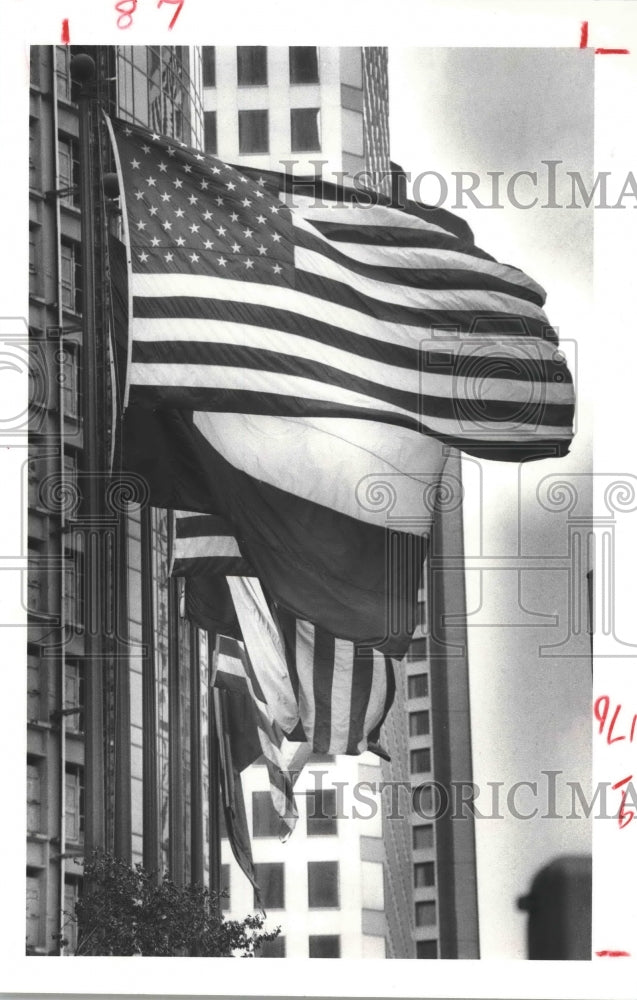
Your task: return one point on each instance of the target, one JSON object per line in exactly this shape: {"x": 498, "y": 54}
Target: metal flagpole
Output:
{"x": 214, "y": 779}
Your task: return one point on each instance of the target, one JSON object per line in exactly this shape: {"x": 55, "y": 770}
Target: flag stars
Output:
{"x": 199, "y": 157}
{"x": 178, "y": 183}
{"x": 163, "y": 167}
{"x": 277, "y": 268}
{"x": 128, "y": 131}
{"x": 166, "y": 196}
{"x": 235, "y": 248}
{"x": 134, "y": 164}
{"x": 151, "y": 181}
{"x": 274, "y": 209}
{"x": 221, "y": 231}
{"x": 207, "y": 215}
{"x": 203, "y": 184}
{"x": 193, "y": 199}
{"x": 139, "y": 194}
{"x": 219, "y": 200}
{"x": 261, "y": 220}
{"x": 230, "y": 186}
{"x": 261, "y": 182}
{"x": 248, "y": 233}
{"x": 234, "y": 217}
{"x": 167, "y": 225}
{"x": 179, "y": 212}
{"x": 170, "y": 151}
{"x": 146, "y": 149}
{"x": 194, "y": 257}
{"x": 208, "y": 244}
{"x": 180, "y": 241}
{"x": 143, "y": 256}
{"x": 262, "y": 250}
{"x": 187, "y": 168}
{"x": 276, "y": 237}
{"x": 153, "y": 210}
{"x": 246, "y": 203}
{"x": 155, "y": 241}
{"x": 155, "y": 137}
{"x": 221, "y": 261}
{"x": 216, "y": 170}
{"x": 258, "y": 194}
{"x": 168, "y": 257}
{"x": 140, "y": 224}
{"x": 249, "y": 264}
{"x": 194, "y": 228}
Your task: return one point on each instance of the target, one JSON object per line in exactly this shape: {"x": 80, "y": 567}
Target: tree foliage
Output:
{"x": 126, "y": 910}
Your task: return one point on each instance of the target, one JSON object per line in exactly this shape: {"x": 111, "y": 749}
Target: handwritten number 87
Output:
{"x": 127, "y": 8}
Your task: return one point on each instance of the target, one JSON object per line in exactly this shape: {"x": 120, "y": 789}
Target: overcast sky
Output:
{"x": 507, "y": 110}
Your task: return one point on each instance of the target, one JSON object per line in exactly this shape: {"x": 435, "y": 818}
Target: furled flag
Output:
{"x": 328, "y": 354}
{"x": 234, "y": 673}
{"x": 318, "y": 689}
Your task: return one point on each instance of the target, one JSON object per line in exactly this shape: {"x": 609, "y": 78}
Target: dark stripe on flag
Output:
{"x": 198, "y": 525}
{"x": 533, "y": 411}
{"x": 445, "y": 279}
{"x": 345, "y": 232}
{"x": 284, "y": 321}
{"x": 322, "y": 688}
{"x": 362, "y": 677}
{"x": 374, "y": 734}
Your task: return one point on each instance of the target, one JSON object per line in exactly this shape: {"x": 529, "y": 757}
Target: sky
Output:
{"x": 481, "y": 110}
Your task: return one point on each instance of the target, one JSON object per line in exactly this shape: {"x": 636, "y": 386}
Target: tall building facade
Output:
{"x": 119, "y": 748}
{"x": 87, "y": 706}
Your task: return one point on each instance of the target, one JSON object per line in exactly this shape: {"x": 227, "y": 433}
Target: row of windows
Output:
{"x": 320, "y": 946}
{"x": 321, "y": 814}
{"x": 254, "y": 131}
{"x": 322, "y": 885}
{"x": 70, "y": 267}
{"x": 252, "y": 65}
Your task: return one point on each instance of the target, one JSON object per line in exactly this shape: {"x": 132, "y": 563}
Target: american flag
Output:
{"x": 242, "y": 303}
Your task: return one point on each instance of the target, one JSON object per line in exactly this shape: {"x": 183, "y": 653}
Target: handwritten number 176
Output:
{"x": 126, "y": 9}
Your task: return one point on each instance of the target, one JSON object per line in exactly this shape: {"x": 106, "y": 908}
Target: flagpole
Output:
{"x": 214, "y": 779}
{"x": 175, "y": 758}
{"x": 83, "y": 73}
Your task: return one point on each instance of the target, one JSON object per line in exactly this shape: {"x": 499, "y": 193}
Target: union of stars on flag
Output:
{"x": 192, "y": 213}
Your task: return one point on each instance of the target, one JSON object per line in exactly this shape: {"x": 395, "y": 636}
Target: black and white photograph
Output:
{"x": 315, "y": 580}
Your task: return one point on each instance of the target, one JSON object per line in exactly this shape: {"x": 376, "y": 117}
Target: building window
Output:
{"x": 273, "y": 949}
{"x": 322, "y": 882}
{"x": 34, "y": 75}
{"x": 321, "y": 812}
{"x": 34, "y": 802}
{"x": 63, "y": 71}
{"x": 325, "y": 946}
{"x": 73, "y": 599}
{"x": 71, "y": 893}
{"x": 423, "y": 837}
{"x": 420, "y": 760}
{"x": 305, "y": 126}
{"x": 425, "y": 914}
{"x": 209, "y": 66}
{"x": 252, "y": 65}
{"x": 33, "y": 690}
{"x": 269, "y": 877}
{"x": 265, "y": 821}
{"x": 253, "y": 132}
{"x": 304, "y": 64}
{"x": 418, "y": 648}
{"x": 33, "y": 911}
{"x": 426, "y": 949}
{"x": 74, "y": 696}
{"x": 424, "y": 874}
{"x": 69, "y": 170}
{"x": 71, "y": 383}
{"x": 419, "y": 723}
{"x": 225, "y": 901}
{"x": 210, "y": 132}
{"x": 34, "y": 261}
{"x": 34, "y": 153}
{"x": 71, "y": 276}
{"x": 74, "y": 811}
{"x": 418, "y": 686}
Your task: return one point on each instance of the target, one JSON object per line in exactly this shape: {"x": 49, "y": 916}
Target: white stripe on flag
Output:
{"x": 206, "y": 546}
{"x": 341, "y": 694}
{"x": 266, "y": 650}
